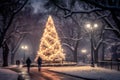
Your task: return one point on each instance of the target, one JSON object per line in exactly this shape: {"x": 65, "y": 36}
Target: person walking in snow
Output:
{"x": 39, "y": 61}
{"x": 28, "y": 62}
{"x": 18, "y": 63}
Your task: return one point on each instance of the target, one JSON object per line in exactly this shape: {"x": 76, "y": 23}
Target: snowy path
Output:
{"x": 6, "y": 74}
{"x": 89, "y": 72}
{"x": 48, "y": 75}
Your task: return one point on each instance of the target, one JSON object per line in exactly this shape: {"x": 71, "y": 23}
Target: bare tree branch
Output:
{"x": 109, "y": 23}
{"x": 75, "y": 39}
{"x": 16, "y": 11}
{"x": 83, "y": 11}
{"x": 70, "y": 11}
{"x": 70, "y": 47}
{"x": 105, "y": 4}
{"x": 102, "y": 16}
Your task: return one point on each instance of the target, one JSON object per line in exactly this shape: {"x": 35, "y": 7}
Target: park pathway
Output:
{"x": 45, "y": 74}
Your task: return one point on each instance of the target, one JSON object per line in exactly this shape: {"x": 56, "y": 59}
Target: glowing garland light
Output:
{"x": 50, "y": 48}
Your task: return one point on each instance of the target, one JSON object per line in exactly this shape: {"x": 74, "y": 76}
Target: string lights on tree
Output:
{"x": 50, "y": 47}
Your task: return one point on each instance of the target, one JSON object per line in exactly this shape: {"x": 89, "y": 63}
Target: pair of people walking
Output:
{"x": 39, "y": 62}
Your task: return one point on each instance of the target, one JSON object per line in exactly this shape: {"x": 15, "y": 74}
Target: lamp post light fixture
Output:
{"x": 91, "y": 27}
{"x": 84, "y": 51}
{"x": 24, "y": 47}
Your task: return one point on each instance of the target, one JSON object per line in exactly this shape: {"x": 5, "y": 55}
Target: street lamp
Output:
{"x": 91, "y": 27}
{"x": 24, "y": 47}
{"x": 84, "y": 51}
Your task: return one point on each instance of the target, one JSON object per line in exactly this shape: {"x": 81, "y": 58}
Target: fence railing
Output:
{"x": 110, "y": 64}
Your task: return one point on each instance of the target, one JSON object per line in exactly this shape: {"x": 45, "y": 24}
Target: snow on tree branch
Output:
{"x": 98, "y": 44}
{"x": 70, "y": 11}
{"x": 110, "y": 24}
{"x": 82, "y": 11}
{"x": 113, "y": 29}
{"x": 70, "y": 47}
{"x": 75, "y": 39}
{"x": 116, "y": 39}
{"x": 102, "y": 16}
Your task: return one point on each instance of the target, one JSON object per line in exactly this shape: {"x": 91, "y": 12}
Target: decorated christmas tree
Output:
{"x": 50, "y": 48}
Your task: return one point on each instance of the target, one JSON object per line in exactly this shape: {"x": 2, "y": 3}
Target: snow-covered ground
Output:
{"x": 6, "y": 74}
{"x": 89, "y": 72}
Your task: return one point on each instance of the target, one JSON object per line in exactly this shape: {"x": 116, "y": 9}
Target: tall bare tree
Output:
{"x": 8, "y": 10}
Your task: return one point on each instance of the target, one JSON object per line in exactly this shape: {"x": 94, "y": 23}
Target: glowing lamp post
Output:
{"x": 84, "y": 51}
{"x": 91, "y": 27}
{"x": 24, "y": 47}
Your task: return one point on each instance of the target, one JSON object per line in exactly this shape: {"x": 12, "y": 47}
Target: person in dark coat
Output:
{"x": 39, "y": 61}
{"x": 18, "y": 63}
{"x": 28, "y": 62}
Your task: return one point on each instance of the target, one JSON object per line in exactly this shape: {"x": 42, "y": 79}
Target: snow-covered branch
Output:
{"x": 109, "y": 23}
{"x": 75, "y": 39}
{"x": 17, "y": 45}
{"x": 114, "y": 38}
{"x": 102, "y": 16}
{"x": 70, "y": 11}
{"x": 70, "y": 47}
{"x": 101, "y": 38}
{"x": 82, "y": 11}
{"x": 110, "y": 29}
{"x": 98, "y": 44}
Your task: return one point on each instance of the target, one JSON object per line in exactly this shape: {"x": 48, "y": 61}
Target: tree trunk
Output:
{"x": 103, "y": 52}
{"x": 96, "y": 55}
{"x": 75, "y": 52}
{"x": 5, "y": 54}
{"x": 16, "y": 48}
{"x": 12, "y": 58}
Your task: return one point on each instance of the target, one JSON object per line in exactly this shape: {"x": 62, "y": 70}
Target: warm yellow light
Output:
{"x": 50, "y": 47}
{"x": 83, "y": 50}
{"x": 24, "y": 47}
{"x": 95, "y": 25}
{"x": 88, "y": 25}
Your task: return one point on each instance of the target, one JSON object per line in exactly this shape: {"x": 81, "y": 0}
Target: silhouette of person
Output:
{"x": 18, "y": 63}
{"x": 28, "y": 62}
{"x": 39, "y": 61}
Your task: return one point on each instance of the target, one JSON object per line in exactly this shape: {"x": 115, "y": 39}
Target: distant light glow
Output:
{"x": 83, "y": 50}
{"x": 24, "y": 47}
{"x": 95, "y": 25}
{"x": 88, "y": 25}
